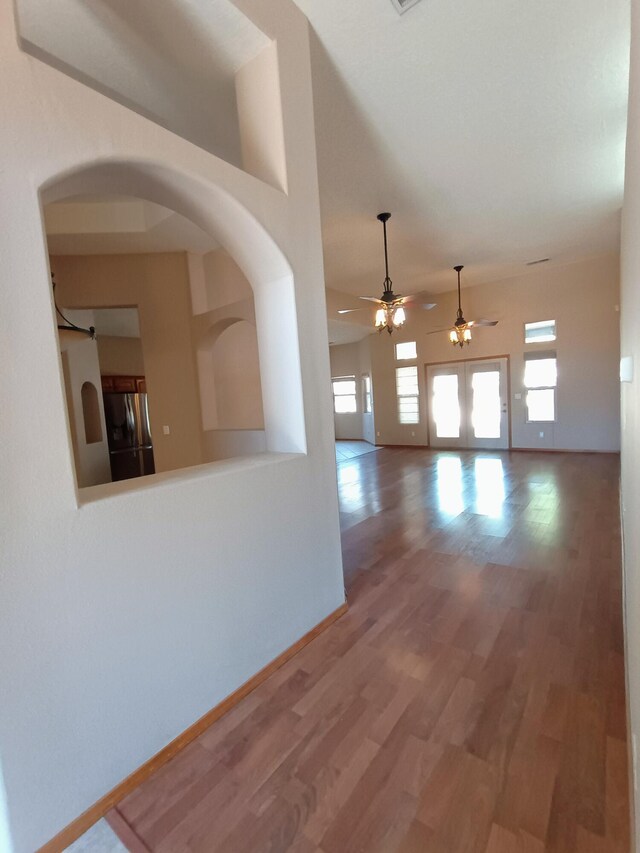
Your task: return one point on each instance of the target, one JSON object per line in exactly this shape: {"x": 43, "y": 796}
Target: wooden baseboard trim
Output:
{"x": 99, "y": 809}
{"x": 561, "y": 450}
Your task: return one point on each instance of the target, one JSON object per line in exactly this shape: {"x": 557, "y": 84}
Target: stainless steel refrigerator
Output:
{"x": 129, "y": 435}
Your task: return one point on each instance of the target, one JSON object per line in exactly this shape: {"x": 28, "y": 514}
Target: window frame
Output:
{"x": 404, "y": 396}
{"x": 353, "y": 394}
{"x": 413, "y": 357}
{"x": 541, "y": 356}
{"x": 541, "y": 324}
{"x": 367, "y": 394}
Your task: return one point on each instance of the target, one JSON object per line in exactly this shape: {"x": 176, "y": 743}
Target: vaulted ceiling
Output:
{"x": 493, "y": 131}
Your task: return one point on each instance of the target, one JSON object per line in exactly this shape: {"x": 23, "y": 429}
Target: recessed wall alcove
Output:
{"x": 91, "y": 413}
{"x": 202, "y": 70}
{"x": 241, "y": 357}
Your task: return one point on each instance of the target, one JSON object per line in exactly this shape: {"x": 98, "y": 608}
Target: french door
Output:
{"x": 469, "y": 404}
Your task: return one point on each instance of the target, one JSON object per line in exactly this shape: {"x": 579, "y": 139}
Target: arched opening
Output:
{"x": 190, "y": 258}
{"x": 91, "y": 413}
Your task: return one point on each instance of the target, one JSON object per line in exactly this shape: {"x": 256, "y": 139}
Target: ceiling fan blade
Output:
{"x": 482, "y": 323}
{"x": 424, "y": 296}
{"x": 439, "y": 331}
{"x": 371, "y": 299}
{"x": 350, "y": 310}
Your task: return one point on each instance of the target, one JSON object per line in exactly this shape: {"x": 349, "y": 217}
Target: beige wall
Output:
{"x": 120, "y": 356}
{"x": 158, "y": 284}
{"x": 224, "y": 281}
{"x": 630, "y": 351}
{"x": 345, "y": 362}
{"x": 236, "y": 378}
{"x": 581, "y": 297}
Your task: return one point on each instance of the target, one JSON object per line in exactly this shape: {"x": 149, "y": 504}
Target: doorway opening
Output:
{"x": 468, "y": 404}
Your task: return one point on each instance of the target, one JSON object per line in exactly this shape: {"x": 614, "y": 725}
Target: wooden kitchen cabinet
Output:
{"x": 125, "y": 384}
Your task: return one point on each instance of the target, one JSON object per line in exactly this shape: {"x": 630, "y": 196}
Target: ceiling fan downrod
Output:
{"x": 384, "y": 218}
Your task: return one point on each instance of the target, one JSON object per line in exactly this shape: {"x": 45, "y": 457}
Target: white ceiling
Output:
{"x": 493, "y": 131}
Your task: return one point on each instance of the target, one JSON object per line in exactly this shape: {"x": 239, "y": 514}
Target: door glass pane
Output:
{"x": 446, "y": 408}
{"x": 485, "y": 415}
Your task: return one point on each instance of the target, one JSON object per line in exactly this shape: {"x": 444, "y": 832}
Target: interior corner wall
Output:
{"x": 236, "y": 378}
{"x": 158, "y": 284}
{"x": 345, "y": 361}
{"x": 582, "y": 297}
{"x": 223, "y": 281}
{"x": 630, "y": 403}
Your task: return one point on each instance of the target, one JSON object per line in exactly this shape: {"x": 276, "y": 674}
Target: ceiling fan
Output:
{"x": 460, "y": 332}
{"x": 390, "y": 313}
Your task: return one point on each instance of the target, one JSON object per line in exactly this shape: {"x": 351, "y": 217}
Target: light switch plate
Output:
{"x": 166, "y": 430}
{"x": 626, "y": 368}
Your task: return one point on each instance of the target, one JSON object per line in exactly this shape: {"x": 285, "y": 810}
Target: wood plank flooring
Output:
{"x": 471, "y": 700}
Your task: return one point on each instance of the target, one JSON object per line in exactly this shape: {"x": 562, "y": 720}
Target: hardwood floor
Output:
{"x": 471, "y": 700}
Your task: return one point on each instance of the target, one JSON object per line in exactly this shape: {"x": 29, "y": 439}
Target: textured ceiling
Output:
{"x": 494, "y": 132}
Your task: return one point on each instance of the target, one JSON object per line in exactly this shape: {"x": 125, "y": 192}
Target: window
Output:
{"x": 344, "y": 394}
{"x": 366, "y": 394}
{"x": 540, "y": 333}
{"x": 407, "y": 391}
{"x": 406, "y": 351}
{"x": 540, "y": 377}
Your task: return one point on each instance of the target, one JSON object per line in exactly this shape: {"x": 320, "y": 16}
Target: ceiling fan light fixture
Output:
{"x": 399, "y": 316}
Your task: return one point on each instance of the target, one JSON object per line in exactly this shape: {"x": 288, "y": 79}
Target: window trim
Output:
{"x": 416, "y": 395}
{"x": 541, "y": 356}
{"x": 350, "y": 378}
{"x": 367, "y": 394}
{"x": 541, "y": 324}
{"x": 413, "y": 357}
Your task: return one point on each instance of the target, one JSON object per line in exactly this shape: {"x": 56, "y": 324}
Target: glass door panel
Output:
{"x": 445, "y": 387}
{"x": 487, "y": 403}
{"x": 485, "y": 407}
{"x": 446, "y": 406}
{"x": 468, "y": 404}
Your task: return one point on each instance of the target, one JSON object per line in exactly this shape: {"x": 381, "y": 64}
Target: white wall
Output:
{"x": 581, "y": 297}
{"x": 630, "y": 349}
{"x": 195, "y": 579}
